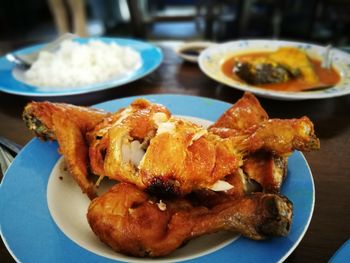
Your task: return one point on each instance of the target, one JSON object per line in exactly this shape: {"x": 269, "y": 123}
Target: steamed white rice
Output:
{"x": 75, "y": 64}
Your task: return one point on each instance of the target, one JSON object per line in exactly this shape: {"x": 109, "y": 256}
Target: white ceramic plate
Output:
{"x": 211, "y": 59}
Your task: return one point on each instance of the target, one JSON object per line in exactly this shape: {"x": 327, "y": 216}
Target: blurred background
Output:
{"x": 24, "y": 22}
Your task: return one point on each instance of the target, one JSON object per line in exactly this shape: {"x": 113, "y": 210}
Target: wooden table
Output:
{"x": 330, "y": 225}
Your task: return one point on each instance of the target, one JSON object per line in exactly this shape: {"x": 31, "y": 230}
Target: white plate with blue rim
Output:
{"x": 12, "y": 78}
{"x": 43, "y": 212}
{"x": 212, "y": 58}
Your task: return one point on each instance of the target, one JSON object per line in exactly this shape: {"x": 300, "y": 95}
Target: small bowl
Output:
{"x": 190, "y": 51}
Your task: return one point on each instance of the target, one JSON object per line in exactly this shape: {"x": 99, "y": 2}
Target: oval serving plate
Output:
{"x": 12, "y": 78}
{"x": 30, "y": 233}
{"x": 211, "y": 59}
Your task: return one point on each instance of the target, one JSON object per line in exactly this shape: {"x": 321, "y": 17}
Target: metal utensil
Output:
{"x": 17, "y": 60}
{"x": 5, "y": 160}
{"x": 26, "y": 60}
{"x": 327, "y": 60}
{"x": 10, "y": 145}
{"x": 8, "y": 151}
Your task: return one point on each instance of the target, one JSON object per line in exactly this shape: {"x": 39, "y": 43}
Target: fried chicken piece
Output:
{"x": 143, "y": 145}
{"x": 119, "y": 142}
{"x": 39, "y": 117}
{"x": 267, "y": 169}
{"x": 68, "y": 125}
{"x": 172, "y": 161}
{"x": 218, "y": 157}
{"x": 281, "y": 137}
{"x": 183, "y": 157}
{"x": 260, "y": 172}
{"x": 133, "y": 223}
{"x": 180, "y": 156}
{"x": 245, "y": 113}
{"x": 75, "y": 128}
{"x": 269, "y": 144}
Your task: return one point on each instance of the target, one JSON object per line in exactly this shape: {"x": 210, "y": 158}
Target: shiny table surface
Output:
{"x": 329, "y": 227}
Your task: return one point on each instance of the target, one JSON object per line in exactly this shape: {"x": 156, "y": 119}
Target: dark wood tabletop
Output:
{"x": 330, "y": 224}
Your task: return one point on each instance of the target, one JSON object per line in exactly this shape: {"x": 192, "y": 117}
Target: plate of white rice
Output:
{"x": 80, "y": 66}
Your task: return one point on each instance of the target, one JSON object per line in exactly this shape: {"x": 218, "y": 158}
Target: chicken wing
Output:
{"x": 265, "y": 168}
{"x": 39, "y": 117}
{"x": 245, "y": 113}
{"x": 281, "y": 137}
{"x": 268, "y": 145}
{"x": 75, "y": 128}
{"x": 132, "y": 222}
{"x": 68, "y": 125}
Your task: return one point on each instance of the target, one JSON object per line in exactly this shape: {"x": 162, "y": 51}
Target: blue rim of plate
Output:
{"x": 30, "y": 233}
{"x": 342, "y": 254}
{"x": 211, "y": 59}
{"x": 151, "y": 56}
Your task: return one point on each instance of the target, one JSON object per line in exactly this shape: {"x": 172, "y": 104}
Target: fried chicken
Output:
{"x": 182, "y": 157}
{"x": 78, "y": 128}
{"x": 68, "y": 125}
{"x": 40, "y": 117}
{"x": 262, "y": 167}
{"x": 132, "y": 222}
{"x": 143, "y": 145}
{"x": 177, "y": 180}
{"x": 246, "y": 112}
{"x": 117, "y": 143}
{"x": 267, "y": 169}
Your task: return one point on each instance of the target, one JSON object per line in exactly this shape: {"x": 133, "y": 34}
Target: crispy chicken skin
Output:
{"x": 265, "y": 168}
{"x": 39, "y": 117}
{"x": 131, "y": 222}
{"x": 282, "y": 136}
{"x": 268, "y": 145}
{"x": 245, "y": 113}
{"x": 76, "y": 128}
{"x": 110, "y": 142}
{"x": 182, "y": 157}
{"x": 142, "y": 144}
{"x": 68, "y": 125}
{"x": 186, "y": 157}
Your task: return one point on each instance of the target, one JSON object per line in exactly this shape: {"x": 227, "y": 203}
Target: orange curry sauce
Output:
{"x": 327, "y": 77}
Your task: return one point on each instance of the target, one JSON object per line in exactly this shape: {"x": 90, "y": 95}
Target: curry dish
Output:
{"x": 287, "y": 69}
